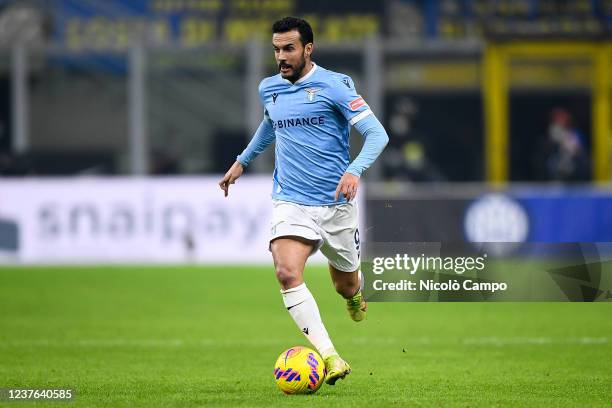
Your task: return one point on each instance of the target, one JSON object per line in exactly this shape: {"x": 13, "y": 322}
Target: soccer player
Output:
{"x": 307, "y": 111}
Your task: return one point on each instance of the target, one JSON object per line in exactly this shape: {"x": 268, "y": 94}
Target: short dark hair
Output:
{"x": 293, "y": 23}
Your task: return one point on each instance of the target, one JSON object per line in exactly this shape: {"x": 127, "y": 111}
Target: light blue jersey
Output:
{"x": 309, "y": 120}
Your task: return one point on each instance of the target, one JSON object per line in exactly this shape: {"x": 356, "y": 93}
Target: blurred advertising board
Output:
{"x": 467, "y": 242}
{"x": 113, "y": 24}
{"x": 544, "y": 214}
{"x": 134, "y": 220}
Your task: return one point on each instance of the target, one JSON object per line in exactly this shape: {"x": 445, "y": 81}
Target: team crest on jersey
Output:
{"x": 274, "y": 96}
{"x": 311, "y": 93}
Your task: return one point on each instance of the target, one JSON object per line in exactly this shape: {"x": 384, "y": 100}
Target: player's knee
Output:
{"x": 287, "y": 277}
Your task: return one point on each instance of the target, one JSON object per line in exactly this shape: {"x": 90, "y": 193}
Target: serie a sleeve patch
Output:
{"x": 356, "y": 103}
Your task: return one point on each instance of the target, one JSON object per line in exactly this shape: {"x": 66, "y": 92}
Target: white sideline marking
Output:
{"x": 501, "y": 341}
{"x": 175, "y": 343}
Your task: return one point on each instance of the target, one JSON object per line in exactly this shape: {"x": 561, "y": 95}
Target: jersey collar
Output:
{"x": 305, "y": 77}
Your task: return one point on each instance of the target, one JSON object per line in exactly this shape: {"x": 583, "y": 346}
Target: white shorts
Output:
{"x": 333, "y": 227}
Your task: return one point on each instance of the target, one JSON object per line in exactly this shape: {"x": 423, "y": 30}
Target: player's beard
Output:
{"x": 297, "y": 69}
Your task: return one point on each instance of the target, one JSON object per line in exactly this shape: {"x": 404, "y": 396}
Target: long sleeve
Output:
{"x": 264, "y": 136}
{"x": 375, "y": 141}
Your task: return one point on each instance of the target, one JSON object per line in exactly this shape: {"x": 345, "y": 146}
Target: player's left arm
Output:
{"x": 376, "y": 139}
{"x": 354, "y": 108}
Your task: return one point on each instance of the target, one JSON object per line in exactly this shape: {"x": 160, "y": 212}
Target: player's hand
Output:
{"x": 230, "y": 177}
{"x": 347, "y": 186}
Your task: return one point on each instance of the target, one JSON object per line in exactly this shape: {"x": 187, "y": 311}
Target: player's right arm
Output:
{"x": 264, "y": 136}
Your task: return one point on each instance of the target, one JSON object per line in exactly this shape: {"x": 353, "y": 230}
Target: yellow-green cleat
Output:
{"x": 336, "y": 368}
{"x": 357, "y": 307}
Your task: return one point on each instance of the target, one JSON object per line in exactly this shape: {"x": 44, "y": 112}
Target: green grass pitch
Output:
{"x": 209, "y": 336}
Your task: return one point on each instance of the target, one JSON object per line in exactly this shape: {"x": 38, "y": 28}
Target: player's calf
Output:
{"x": 347, "y": 284}
{"x": 346, "y": 290}
{"x": 350, "y": 285}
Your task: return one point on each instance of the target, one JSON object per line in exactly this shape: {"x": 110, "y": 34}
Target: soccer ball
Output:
{"x": 299, "y": 370}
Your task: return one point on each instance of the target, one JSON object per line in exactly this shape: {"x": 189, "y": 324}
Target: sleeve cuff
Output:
{"x": 353, "y": 171}
{"x": 241, "y": 160}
